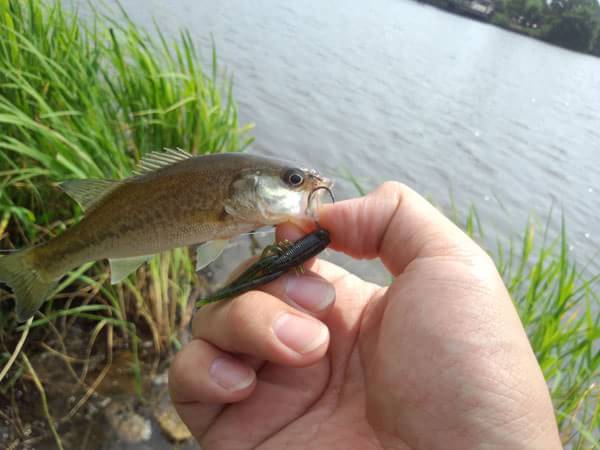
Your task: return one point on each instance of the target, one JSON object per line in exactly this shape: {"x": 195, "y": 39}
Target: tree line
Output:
{"x": 574, "y": 24}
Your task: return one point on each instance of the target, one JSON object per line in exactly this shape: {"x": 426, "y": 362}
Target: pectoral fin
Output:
{"x": 208, "y": 252}
{"x": 121, "y": 267}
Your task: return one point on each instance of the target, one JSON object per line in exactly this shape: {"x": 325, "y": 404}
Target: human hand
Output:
{"x": 439, "y": 359}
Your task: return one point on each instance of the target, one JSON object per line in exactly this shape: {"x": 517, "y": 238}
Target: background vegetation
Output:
{"x": 559, "y": 306}
{"x": 574, "y": 24}
{"x": 88, "y": 99}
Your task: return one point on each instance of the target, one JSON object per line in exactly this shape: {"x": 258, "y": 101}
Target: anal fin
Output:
{"x": 208, "y": 252}
{"x": 120, "y": 268}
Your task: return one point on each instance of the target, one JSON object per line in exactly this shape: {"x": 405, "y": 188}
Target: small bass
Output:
{"x": 173, "y": 200}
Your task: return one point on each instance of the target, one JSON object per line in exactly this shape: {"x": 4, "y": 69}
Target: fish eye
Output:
{"x": 293, "y": 177}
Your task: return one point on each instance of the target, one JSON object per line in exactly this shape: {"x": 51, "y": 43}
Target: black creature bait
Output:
{"x": 275, "y": 261}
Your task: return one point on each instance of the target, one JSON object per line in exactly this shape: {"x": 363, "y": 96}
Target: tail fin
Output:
{"x": 29, "y": 288}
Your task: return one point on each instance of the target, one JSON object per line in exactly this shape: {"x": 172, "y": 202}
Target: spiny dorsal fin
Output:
{"x": 88, "y": 192}
{"x": 157, "y": 160}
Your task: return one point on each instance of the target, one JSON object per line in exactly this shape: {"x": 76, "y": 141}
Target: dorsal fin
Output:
{"x": 157, "y": 160}
{"x": 88, "y": 192}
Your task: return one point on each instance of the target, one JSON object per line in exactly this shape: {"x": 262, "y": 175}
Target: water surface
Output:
{"x": 393, "y": 89}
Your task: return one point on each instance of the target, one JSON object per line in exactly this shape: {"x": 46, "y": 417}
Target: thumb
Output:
{"x": 396, "y": 224}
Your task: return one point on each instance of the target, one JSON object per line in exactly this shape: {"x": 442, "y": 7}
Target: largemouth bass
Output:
{"x": 173, "y": 200}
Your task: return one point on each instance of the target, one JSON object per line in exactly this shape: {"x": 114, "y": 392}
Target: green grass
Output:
{"x": 81, "y": 101}
{"x": 88, "y": 100}
{"x": 559, "y": 306}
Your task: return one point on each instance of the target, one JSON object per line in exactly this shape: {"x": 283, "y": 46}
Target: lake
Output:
{"x": 462, "y": 111}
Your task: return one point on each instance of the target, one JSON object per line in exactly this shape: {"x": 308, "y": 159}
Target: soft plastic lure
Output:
{"x": 275, "y": 261}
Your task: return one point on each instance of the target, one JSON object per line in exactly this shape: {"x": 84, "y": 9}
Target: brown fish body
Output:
{"x": 173, "y": 207}
{"x": 188, "y": 201}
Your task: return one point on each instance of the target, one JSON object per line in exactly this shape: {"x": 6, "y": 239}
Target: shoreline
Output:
{"x": 504, "y": 23}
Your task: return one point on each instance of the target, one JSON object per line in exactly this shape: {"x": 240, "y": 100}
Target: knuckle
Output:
{"x": 177, "y": 377}
{"x": 238, "y": 310}
{"x": 202, "y": 320}
{"x": 176, "y": 368}
{"x": 244, "y": 329}
{"x": 242, "y": 315}
{"x": 394, "y": 188}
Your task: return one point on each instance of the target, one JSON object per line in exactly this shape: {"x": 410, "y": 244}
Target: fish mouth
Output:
{"x": 320, "y": 180}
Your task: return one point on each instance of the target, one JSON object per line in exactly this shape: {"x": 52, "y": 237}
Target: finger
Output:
{"x": 396, "y": 224}
{"x": 307, "y": 292}
{"x": 292, "y": 232}
{"x": 200, "y": 372}
{"x": 261, "y": 325}
{"x": 289, "y": 231}
{"x": 202, "y": 379}
{"x": 327, "y": 270}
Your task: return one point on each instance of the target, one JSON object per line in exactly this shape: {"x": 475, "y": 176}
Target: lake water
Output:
{"x": 393, "y": 89}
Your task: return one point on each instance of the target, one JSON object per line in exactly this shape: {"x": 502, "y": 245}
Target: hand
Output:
{"x": 439, "y": 359}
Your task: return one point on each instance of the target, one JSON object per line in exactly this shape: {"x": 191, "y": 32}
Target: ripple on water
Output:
{"x": 420, "y": 80}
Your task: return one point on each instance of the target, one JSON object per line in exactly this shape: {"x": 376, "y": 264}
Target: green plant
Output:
{"x": 558, "y": 304}
{"x": 87, "y": 99}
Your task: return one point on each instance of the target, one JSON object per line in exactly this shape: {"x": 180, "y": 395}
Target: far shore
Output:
{"x": 487, "y": 11}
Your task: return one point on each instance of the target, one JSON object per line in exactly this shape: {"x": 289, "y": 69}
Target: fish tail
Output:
{"x": 29, "y": 287}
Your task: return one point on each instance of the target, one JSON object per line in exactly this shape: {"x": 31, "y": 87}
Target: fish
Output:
{"x": 172, "y": 200}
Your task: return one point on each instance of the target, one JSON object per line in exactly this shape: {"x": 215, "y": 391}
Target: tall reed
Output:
{"x": 87, "y": 98}
{"x": 559, "y": 305}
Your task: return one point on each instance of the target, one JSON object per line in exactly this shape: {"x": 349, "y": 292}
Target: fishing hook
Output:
{"x": 308, "y": 202}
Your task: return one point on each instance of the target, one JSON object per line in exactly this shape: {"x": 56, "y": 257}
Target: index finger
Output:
{"x": 397, "y": 225}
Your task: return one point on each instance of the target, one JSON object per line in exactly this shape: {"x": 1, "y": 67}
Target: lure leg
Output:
{"x": 232, "y": 291}
{"x": 276, "y": 260}
{"x": 276, "y": 249}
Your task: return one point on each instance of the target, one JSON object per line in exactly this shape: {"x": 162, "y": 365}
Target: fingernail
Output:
{"x": 310, "y": 293}
{"x": 300, "y": 334}
{"x": 231, "y": 374}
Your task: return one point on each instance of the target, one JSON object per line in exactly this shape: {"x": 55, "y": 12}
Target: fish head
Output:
{"x": 276, "y": 194}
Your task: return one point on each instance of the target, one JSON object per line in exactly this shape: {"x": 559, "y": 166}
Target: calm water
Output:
{"x": 392, "y": 89}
